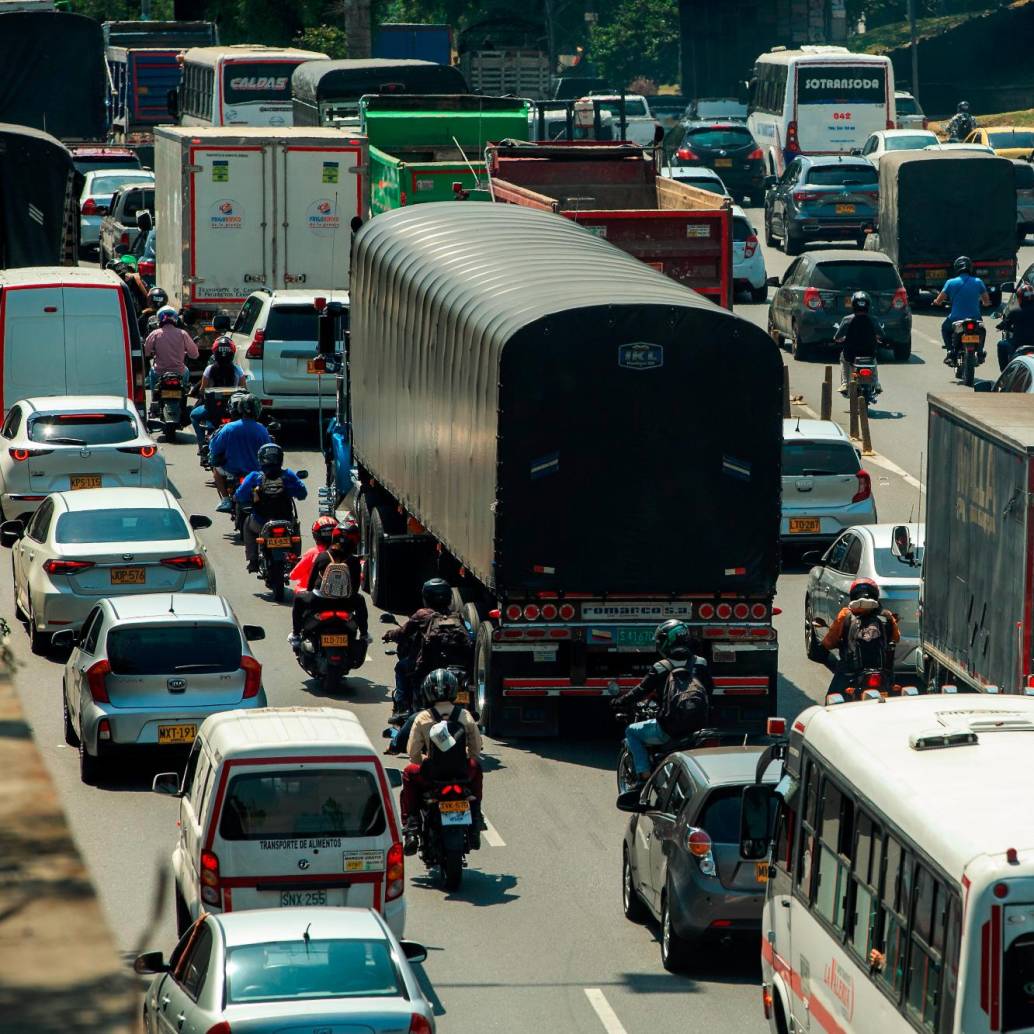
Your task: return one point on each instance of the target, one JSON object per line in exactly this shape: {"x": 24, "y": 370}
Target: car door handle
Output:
{"x": 181, "y": 1019}
{"x": 165, "y": 1000}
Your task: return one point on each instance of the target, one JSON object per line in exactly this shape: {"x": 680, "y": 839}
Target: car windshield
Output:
{"x": 720, "y": 109}
{"x": 109, "y": 184}
{"x": 1014, "y": 138}
{"x": 741, "y": 229}
{"x": 295, "y": 323}
{"x": 910, "y": 143}
{"x": 85, "y": 165}
{"x": 906, "y": 106}
{"x": 889, "y": 566}
{"x": 842, "y": 176}
{"x": 633, "y": 108}
{"x": 720, "y": 817}
{"x": 814, "y": 459}
{"x": 855, "y": 276}
{"x": 181, "y": 648}
{"x": 278, "y": 971}
{"x": 291, "y": 803}
{"x": 719, "y": 136}
{"x": 126, "y": 524}
{"x": 83, "y": 428}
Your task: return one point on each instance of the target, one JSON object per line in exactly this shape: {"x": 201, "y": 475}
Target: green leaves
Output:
{"x": 640, "y": 40}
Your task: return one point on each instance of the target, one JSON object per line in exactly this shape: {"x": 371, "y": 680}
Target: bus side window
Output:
{"x": 806, "y": 845}
{"x": 834, "y": 827}
{"x": 865, "y": 880}
{"x": 925, "y": 967}
{"x": 895, "y": 895}
{"x": 949, "y": 990}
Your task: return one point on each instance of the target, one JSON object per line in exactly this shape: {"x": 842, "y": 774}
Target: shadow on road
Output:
{"x": 481, "y": 889}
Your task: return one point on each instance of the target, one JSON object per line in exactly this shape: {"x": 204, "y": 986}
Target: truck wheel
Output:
{"x": 466, "y": 608}
{"x": 902, "y": 351}
{"x": 378, "y": 565}
{"x": 486, "y": 684}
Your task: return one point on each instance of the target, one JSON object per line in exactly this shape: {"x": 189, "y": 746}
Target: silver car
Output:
{"x": 147, "y": 670}
{"x": 865, "y": 552}
{"x": 267, "y": 971}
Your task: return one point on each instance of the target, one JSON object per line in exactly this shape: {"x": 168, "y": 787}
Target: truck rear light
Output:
{"x": 513, "y": 612}
{"x": 750, "y": 245}
{"x": 395, "y": 876}
{"x": 900, "y": 300}
{"x": 67, "y": 566}
{"x": 775, "y": 727}
{"x": 864, "y": 487}
{"x": 566, "y": 612}
{"x": 705, "y": 611}
{"x": 252, "y": 676}
{"x": 756, "y": 155}
{"x": 812, "y": 299}
{"x": 531, "y": 611}
{"x": 96, "y": 676}
{"x": 723, "y": 611}
{"x": 741, "y": 611}
{"x": 257, "y": 346}
{"x": 549, "y": 612}
{"x": 759, "y": 612}
{"x": 210, "y": 877}
{"x": 686, "y": 155}
{"x": 495, "y": 615}
{"x": 792, "y": 143}
{"x": 190, "y": 562}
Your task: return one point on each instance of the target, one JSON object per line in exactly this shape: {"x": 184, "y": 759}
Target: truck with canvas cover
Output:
{"x": 937, "y": 205}
{"x": 614, "y": 192}
{"x": 421, "y": 147}
{"x": 249, "y": 207}
{"x": 326, "y": 93}
{"x": 581, "y": 446}
{"x": 976, "y": 625}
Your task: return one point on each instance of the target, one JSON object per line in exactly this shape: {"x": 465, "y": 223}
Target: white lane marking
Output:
{"x": 600, "y": 1005}
{"x": 492, "y": 834}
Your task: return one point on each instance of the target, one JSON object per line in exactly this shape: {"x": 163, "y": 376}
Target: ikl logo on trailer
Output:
{"x": 640, "y": 355}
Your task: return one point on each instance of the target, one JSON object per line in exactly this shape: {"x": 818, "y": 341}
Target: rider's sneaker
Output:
{"x": 225, "y": 506}
{"x": 475, "y": 839}
{"x": 294, "y": 641}
{"x": 410, "y": 842}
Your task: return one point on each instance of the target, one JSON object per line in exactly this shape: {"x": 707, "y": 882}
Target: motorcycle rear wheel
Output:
{"x": 451, "y": 869}
{"x": 331, "y": 681}
{"x": 626, "y": 773}
{"x": 968, "y": 368}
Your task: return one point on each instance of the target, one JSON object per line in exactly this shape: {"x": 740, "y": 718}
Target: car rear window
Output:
{"x": 741, "y": 229}
{"x": 909, "y": 143}
{"x": 1019, "y": 138}
{"x": 719, "y": 109}
{"x": 109, "y": 184}
{"x": 855, "y": 276}
{"x": 889, "y": 566}
{"x": 720, "y": 816}
{"x": 122, "y": 525}
{"x": 83, "y": 428}
{"x": 180, "y": 648}
{"x": 295, "y": 323}
{"x": 137, "y": 200}
{"x": 719, "y": 136}
{"x": 906, "y": 106}
{"x": 331, "y": 802}
{"x": 692, "y": 178}
{"x": 803, "y": 459}
{"x": 841, "y": 175}
{"x": 278, "y": 971}
{"x": 633, "y": 109}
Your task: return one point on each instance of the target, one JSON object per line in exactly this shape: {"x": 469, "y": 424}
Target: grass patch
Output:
{"x": 887, "y": 37}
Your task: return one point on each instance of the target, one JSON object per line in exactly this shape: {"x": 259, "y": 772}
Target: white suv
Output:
{"x": 275, "y": 334}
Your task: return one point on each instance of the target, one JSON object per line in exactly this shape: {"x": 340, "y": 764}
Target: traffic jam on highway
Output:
{"x": 391, "y": 479}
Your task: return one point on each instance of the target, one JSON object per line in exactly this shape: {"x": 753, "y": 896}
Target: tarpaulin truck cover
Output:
{"x": 937, "y": 205}
{"x": 559, "y": 415}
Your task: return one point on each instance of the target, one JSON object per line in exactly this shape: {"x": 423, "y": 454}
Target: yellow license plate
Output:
{"x": 77, "y": 481}
{"x": 316, "y": 366}
{"x": 176, "y": 733}
{"x": 279, "y": 542}
{"x": 462, "y": 697}
{"x": 967, "y": 339}
{"x": 804, "y": 525}
{"x": 170, "y": 394}
{"x": 334, "y": 640}
{"x": 845, "y": 209}
{"x": 127, "y": 576}
{"x": 723, "y": 163}
{"x": 761, "y": 872}
{"x": 459, "y": 806}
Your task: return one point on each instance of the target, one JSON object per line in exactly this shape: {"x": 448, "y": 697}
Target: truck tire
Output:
{"x": 466, "y": 608}
{"x": 380, "y": 578}
{"x": 487, "y": 688}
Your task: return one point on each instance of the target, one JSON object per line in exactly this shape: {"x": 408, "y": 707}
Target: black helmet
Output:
{"x": 860, "y": 302}
{"x": 441, "y": 684}
{"x": 963, "y": 106}
{"x": 248, "y": 405}
{"x": 224, "y": 350}
{"x": 437, "y": 594}
{"x": 271, "y": 456}
{"x": 964, "y": 264}
{"x": 156, "y": 298}
{"x": 674, "y": 640}
{"x": 864, "y": 588}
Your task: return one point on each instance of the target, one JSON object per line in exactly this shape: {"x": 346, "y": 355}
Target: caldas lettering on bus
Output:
{"x": 259, "y": 82}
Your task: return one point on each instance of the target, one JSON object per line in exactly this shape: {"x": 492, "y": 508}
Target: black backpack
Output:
{"x": 446, "y": 642}
{"x": 866, "y": 642}
{"x": 272, "y": 500}
{"x": 684, "y": 704}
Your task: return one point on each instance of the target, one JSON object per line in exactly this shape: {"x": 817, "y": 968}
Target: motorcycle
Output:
{"x": 172, "y": 404}
{"x": 278, "y": 546}
{"x": 330, "y": 646}
{"x": 448, "y": 829}
{"x": 967, "y": 348}
{"x": 867, "y": 385}
{"x": 216, "y": 402}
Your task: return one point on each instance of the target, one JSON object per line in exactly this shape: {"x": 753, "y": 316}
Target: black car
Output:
{"x": 727, "y": 148}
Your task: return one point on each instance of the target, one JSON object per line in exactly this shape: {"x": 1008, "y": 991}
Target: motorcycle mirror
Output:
{"x": 388, "y": 619}
{"x": 199, "y": 521}
{"x": 253, "y": 633}
{"x": 630, "y": 801}
{"x": 394, "y": 778}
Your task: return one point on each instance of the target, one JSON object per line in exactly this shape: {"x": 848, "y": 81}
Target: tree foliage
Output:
{"x": 327, "y": 39}
{"x": 640, "y": 40}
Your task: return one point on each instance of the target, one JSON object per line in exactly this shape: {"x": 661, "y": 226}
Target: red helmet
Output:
{"x": 323, "y": 528}
{"x": 864, "y": 588}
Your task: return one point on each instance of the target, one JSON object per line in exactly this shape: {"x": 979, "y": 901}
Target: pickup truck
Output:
{"x": 640, "y": 125}
{"x": 119, "y": 226}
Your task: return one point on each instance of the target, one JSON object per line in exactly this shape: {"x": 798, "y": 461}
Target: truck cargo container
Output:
{"x": 425, "y": 41}
{"x": 614, "y": 192}
{"x": 519, "y": 388}
{"x": 978, "y": 563}
{"x": 937, "y": 205}
{"x": 251, "y": 207}
{"x": 518, "y": 72}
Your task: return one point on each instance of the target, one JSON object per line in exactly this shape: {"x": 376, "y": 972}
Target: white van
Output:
{"x": 285, "y": 806}
{"x": 67, "y": 330}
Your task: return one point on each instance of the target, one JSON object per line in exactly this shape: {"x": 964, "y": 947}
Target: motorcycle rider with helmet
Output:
{"x": 125, "y": 267}
{"x": 221, "y": 372}
{"x": 429, "y": 764}
{"x": 1018, "y": 324}
{"x": 170, "y": 347}
{"x": 863, "y": 633}
{"x": 270, "y": 490}
{"x": 234, "y": 448}
{"x": 156, "y": 298}
{"x": 680, "y": 682}
{"x": 339, "y": 550}
{"x": 961, "y": 124}
{"x": 967, "y": 294}
{"x": 322, "y": 529}
{"x": 858, "y": 336}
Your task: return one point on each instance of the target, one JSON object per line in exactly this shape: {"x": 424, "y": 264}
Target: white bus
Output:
{"x": 818, "y": 100}
{"x": 900, "y": 886}
{"x": 244, "y": 85}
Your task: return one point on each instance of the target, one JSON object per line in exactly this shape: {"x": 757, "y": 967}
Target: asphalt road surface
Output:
{"x": 535, "y": 938}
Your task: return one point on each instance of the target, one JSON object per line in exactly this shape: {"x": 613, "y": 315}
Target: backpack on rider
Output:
{"x": 684, "y": 706}
{"x": 272, "y": 499}
{"x": 866, "y": 641}
{"x": 446, "y": 644}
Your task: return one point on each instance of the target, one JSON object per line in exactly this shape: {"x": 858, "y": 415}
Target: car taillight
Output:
{"x": 685, "y": 154}
{"x": 698, "y": 843}
{"x": 191, "y": 562}
{"x": 805, "y": 195}
{"x": 419, "y": 1024}
{"x": 21, "y": 455}
{"x": 222, "y": 1027}
{"x": 210, "y": 877}
{"x": 67, "y": 566}
{"x": 812, "y": 298}
{"x": 396, "y": 873}
{"x": 96, "y": 676}
{"x": 864, "y": 487}
{"x": 566, "y": 612}
{"x": 756, "y": 155}
{"x": 90, "y": 207}
{"x": 792, "y": 143}
{"x": 147, "y": 451}
{"x": 750, "y": 245}
{"x": 900, "y": 300}
{"x": 252, "y": 676}
{"x": 257, "y": 346}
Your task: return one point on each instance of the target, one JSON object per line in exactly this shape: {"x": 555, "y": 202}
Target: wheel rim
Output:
{"x": 480, "y": 680}
{"x": 626, "y": 777}
{"x": 626, "y": 884}
{"x": 808, "y": 628}
{"x": 665, "y": 931}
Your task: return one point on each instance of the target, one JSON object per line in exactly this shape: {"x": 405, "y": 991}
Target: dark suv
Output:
{"x": 821, "y": 199}
{"x": 727, "y": 148}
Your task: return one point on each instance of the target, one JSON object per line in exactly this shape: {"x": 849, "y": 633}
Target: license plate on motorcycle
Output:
{"x": 454, "y": 813}
{"x": 78, "y": 481}
{"x": 971, "y": 339}
{"x": 761, "y": 872}
{"x": 334, "y": 640}
{"x": 845, "y": 209}
{"x": 316, "y": 366}
{"x": 279, "y": 542}
{"x": 168, "y": 393}
{"x": 445, "y": 806}
{"x": 462, "y": 697}
{"x": 805, "y": 525}
{"x": 128, "y": 576}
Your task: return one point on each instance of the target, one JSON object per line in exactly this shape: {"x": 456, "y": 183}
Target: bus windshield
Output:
{"x": 257, "y": 81}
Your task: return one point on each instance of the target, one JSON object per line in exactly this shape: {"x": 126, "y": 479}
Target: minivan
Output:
{"x": 67, "y": 330}
{"x": 285, "y": 806}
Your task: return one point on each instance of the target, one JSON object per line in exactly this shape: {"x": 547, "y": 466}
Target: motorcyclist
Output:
{"x": 125, "y": 267}
{"x": 429, "y": 763}
{"x": 170, "y": 347}
{"x": 322, "y": 529}
{"x": 338, "y": 551}
{"x": 858, "y": 336}
{"x": 234, "y": 448}
{"x": 1018, "y": 324}
{"x": 270, "y": 490}
{"x": 966, "y": 294}
{"x": 221, "y": 372}
{"x": 962, "y": 123}
{"x": 156, "y": 298}
{"x": 680, "y": 682}
{"x": 863, "y": 633}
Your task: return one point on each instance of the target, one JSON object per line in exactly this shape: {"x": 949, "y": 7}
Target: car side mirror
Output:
{"x": 631, "y": 801}
{"x": 65, "y": 639}
{"x": 10, "y": 533}
{"x": 414, "y": 952}
{"x": 252, "y": 633}
{"x": 144, "y": 222}
{"x": 813, "y": 557}
{"x": 773, "y": 281}
{"x": 819, "y": 623}
{"x": 167, "y": 784}
{"x": 755, "y": 827}
{"x": 150, "y": 962}
{"x": 301, "y": 475}
{"x": 983, "y": 386}
{"x": 394, "y": 778}
{"x": 1009, "y": 287}
{"x": 199, "y": 521}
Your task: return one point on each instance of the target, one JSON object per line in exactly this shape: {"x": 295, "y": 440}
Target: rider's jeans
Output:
{"x": 946, "y": 327}
{"x": 639, "y": 736}
{"x": 199, "y": 415}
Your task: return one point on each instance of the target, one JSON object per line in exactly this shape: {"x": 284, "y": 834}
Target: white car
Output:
{"x": 147, "y": 670}
{"x": 748, "y": 263}
{"x": 99, "y": 187}
{"x": 640, "y": 125}
{"x": 81, "y": 546}
{"x": 696, "y": 176}
{"x": 956, "y": 145}
{"x": 880, "y": 143}
{"x": 73, "y": 442}
{"x": 275, "y": 334}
